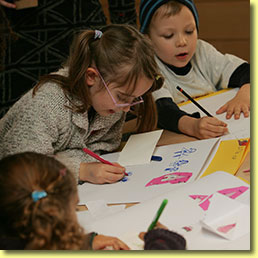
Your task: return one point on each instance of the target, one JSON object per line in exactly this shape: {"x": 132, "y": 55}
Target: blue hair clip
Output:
{"x": 37, "y": 195}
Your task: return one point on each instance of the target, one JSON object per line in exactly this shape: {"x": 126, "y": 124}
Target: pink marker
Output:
{"x": 97, "y": 157}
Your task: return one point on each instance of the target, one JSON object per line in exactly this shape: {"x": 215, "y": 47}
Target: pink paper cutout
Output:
{"x": 225, "y": 229}
{"x": 187, "y": 228}
{"x": 172, "y": 178}
{"x": 198, "y": 196}
{"x": 233, "y": 193}
{"x": 206, "y": 203}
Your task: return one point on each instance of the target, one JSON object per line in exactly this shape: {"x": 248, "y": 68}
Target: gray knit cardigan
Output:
{"x": 43, "y": 124}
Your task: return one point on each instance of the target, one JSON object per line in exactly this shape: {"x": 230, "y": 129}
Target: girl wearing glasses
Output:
{"x": 83, "y": 105}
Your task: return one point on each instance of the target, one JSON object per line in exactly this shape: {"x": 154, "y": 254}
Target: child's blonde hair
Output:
{"x": 122, "y": 54}
{"x": 46, "y": 223}
{"x": 171, "y": 8}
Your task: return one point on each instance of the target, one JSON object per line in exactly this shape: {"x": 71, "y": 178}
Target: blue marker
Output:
{"x": 156, "y": 158}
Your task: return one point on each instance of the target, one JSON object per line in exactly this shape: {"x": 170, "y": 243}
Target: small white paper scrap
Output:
{"x": 139, "y": 148}
{"x": 97, "y": 210}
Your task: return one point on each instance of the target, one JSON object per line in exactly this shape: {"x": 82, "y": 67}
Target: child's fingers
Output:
{"x": 99, "y": 173}
{"x": 118, "y": 165}
{"x": 6, "y": 4}
{"x": 211, "y": 127}
{"x": 113, "y": 173}
{"x": 222, "y": 109}
{"x": 230, "y": 112}
{"x": 112, "y": 178}
{"x": 217, "y": 129}
{"x": 117, "y": 244}
{"x": 159, "y": 225}
{"x": 115, "y": 169}
{"x": 245, "y": 110}
{"x": 141, "y": 235}
{"x": 212, "y": 121}
{"x": 104, "y": 242}
{"x": 237, "y": 112}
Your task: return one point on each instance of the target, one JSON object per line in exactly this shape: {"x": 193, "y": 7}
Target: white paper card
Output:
{"x": 139, "y": 148}
{"x": 227, "y": 217}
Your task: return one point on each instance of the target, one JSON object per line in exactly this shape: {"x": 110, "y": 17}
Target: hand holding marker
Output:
{"x": 97, "y": 157}
{"x": 156, "y": 218}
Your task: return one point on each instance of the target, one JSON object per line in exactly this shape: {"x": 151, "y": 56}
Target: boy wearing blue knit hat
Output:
{"x": 193, "y": 64}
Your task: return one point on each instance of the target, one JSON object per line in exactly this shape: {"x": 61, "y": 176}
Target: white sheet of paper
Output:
{"x": 96, "y": 210}
{"x": 139, "y": 148}
{"x": 186, "y": 158}
{"x": 180, "y": 213}
{"x": 237, "y": 128}
{"x": 227, "y": 217}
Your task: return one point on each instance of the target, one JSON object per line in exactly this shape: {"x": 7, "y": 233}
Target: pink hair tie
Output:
{"x": 98, "y": 34}
{"x": 62, "y": 171}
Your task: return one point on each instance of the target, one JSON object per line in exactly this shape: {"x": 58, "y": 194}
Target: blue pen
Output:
{"x": 156, "y": 158}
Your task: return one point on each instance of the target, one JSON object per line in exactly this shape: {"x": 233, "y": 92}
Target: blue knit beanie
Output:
{"x": 148, "y": 8}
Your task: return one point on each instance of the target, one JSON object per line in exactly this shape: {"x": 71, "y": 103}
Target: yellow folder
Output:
{"x": 229, "y": 156}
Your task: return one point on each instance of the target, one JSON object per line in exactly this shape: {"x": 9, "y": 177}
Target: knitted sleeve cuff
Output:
{"x": 240, "y": 76}
{"x": 91, "y": 238}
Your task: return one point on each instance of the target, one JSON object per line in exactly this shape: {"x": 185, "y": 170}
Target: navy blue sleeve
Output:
{"x": 240, "y": 76}
{"x": 169, "y": 114}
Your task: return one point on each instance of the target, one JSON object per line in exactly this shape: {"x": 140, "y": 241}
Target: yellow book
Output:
{"x": 229, "y": 156}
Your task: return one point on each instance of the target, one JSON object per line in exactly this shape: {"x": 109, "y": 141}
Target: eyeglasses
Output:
{"x": 135, "y": 102}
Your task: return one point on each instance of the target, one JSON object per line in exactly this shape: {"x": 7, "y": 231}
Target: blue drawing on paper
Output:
{"x": 175, "y": 165}
{"x": 183, "y": 152}
{"x": 125, "y": 178}
{"x": 181, "y": 157}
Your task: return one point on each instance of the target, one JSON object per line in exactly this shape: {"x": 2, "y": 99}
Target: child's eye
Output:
{"x": 120, "y": 98}
{"x": 189, "y": 31}
{"x": 168, "y": 36}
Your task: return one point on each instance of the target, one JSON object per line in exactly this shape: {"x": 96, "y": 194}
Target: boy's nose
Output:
{"x": 181, "y": 41}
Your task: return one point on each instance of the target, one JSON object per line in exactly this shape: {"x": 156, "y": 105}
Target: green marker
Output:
{"x": 156, "y": 218}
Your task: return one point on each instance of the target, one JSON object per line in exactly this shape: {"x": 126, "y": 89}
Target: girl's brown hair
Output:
{"x": 122, "y": 55}
{"x": 46, "y": 223}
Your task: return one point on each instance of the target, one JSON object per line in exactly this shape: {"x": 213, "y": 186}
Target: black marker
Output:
{"x": 194, "y": 102}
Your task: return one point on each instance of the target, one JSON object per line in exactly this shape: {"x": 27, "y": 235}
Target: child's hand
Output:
{"x": 101, "y": 242}
{"x": 240, "y": 103}
{"x": 99, "y": 173}
{"x": 158, "y": 225}
{"x": 209, "y": 127}
{"x": 7, "y": 4}
{"x": 202, "y": 128}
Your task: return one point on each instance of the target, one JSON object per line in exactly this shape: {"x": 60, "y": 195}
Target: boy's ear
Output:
{"x": 91, "y": 75}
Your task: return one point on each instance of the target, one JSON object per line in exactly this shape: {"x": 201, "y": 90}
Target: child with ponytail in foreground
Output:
{"x": 38, "y": 198}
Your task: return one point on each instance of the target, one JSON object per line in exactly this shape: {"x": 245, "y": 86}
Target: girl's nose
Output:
{"x": 126, "y": 109}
